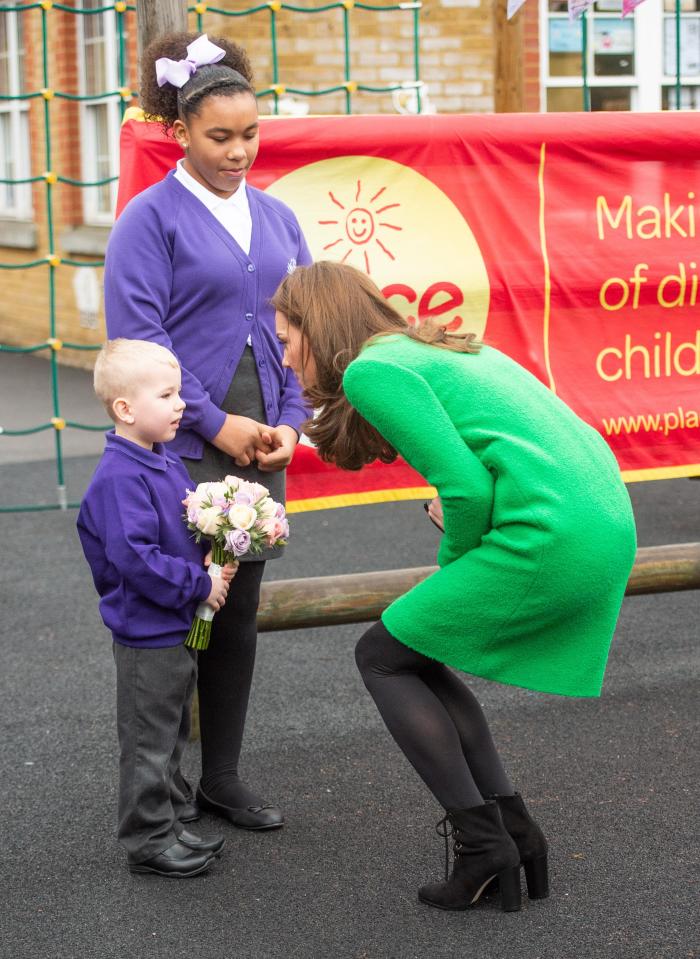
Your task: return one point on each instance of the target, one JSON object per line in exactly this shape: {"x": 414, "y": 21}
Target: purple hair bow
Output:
{"x": 200, "y": 53}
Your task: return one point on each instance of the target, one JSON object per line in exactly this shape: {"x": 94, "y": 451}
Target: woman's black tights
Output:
{"x": 225, "y": 674}
{"x": 435, "y": 719}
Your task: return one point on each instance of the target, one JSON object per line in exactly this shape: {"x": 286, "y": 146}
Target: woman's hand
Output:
{"x": 241, "y": 438}
{"x": 435, "y": 513}
{"x": 283, "y": 440}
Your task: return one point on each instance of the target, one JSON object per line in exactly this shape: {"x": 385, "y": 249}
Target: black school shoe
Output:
{"x": 176, "y": 862}
{"x": 249, "y": 817}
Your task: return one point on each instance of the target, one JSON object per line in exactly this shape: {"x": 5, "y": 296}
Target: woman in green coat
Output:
{"x": 538, "y": 543}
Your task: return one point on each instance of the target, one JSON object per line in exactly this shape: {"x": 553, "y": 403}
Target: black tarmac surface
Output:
{"x": 613, "y": 781}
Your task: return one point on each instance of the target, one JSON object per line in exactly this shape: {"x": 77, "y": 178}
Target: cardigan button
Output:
{"x": 251, "y": 268}
{"x": 261, "y": 362}
{"x": 249, "y": 316}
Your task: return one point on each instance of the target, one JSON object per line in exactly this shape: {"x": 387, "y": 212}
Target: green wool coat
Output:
{"x": 539, "y": 533}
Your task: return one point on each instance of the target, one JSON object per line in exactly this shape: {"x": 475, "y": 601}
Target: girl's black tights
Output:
{"x": 225, "y": 674}
{"x": 435, "y": 719}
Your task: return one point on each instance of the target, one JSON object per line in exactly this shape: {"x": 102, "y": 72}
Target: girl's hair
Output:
{"x": 231, "y": 75}
{"x": 338, "y": 310}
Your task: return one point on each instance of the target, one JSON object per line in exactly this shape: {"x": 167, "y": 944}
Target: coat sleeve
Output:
{"x": 401, "y": 405}
{"x": 294, "y": 409}
{"x": 131, "y": 546}
{"x": 138, "y": 279}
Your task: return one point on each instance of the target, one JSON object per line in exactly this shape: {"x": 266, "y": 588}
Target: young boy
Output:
{"x": 150, "y": 576}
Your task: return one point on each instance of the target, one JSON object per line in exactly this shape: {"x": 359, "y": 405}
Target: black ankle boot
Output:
{"x": 529, "y": 839}
{"x": 483, "y": 850}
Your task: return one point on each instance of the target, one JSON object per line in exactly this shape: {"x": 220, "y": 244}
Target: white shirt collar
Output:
{"x": 211, "y": 200}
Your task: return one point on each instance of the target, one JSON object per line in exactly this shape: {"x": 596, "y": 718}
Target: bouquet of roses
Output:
{"x": 237, "y": 517}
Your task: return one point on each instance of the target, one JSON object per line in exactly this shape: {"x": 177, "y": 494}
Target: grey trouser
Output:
{"x": 154, "y": 694}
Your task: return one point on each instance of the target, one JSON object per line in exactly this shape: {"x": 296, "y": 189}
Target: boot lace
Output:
{"x": 445, "y": 829}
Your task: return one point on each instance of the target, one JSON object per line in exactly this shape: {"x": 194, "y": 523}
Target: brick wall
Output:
{"x": 455, "y": 50}
{"x": 456, "y": 63}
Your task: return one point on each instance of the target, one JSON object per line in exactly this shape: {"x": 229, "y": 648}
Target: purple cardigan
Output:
{"x": 147, "y": 568}
{"x": 174, "y": 275}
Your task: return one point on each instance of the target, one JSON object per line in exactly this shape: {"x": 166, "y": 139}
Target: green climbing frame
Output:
{"x": 52, "y": 259}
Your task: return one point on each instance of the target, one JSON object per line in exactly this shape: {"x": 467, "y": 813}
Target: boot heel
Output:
{"x": 509, "y": 884}
{"x": 537, "y": 877}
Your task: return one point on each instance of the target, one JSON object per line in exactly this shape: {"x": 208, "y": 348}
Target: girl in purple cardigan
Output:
{"x": 192, "y": 264}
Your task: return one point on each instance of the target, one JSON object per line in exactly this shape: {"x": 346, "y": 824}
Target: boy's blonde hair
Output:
{"x": 121, "y": 364}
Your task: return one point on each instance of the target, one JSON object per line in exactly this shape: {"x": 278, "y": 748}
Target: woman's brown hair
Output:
{"x": 338, "y": 310}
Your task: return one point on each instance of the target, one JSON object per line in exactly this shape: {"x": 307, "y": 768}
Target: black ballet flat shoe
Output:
{"x": 190, "y": 812}
{"x": 249, "y": 817}
{"x": 212, "y": 845}
{"x": 175, "y": 862}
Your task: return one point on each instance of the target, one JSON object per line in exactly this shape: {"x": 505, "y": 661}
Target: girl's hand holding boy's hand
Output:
{"x": 241, "y": 438}
{"x": 283, "y": 440}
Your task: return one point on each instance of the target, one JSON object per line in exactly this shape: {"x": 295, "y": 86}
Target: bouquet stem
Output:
{"x": 200, "y": 631}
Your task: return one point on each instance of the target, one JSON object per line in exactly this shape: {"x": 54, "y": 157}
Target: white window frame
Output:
{"x": 19, "y": 205}
{"x": 92, "y": 215}
{"x": 647, "y": 81}
{"x": 669, "y": 80}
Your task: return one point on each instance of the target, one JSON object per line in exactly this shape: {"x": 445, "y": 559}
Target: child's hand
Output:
{"x": 241, "y": 438}
{"x": 218, "y": 593}
{"x": 283, "y": 441}
{"x": 435, "y": 513}
{"x": 229, "y": 571}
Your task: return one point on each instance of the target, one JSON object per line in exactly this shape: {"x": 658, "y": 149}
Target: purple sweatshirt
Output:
{"x": 174, "y": 275}
{"x": 147, "y": 568}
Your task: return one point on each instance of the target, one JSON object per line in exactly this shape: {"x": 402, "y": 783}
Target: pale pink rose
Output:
{"x": 277, "y": 531}
{"x": 255, "y": 490}
{"x": 242, "y": 516}
{"x": 210, "y": 521}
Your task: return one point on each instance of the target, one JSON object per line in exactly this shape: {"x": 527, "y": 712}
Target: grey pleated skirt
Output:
{"x": 244, "y": 398}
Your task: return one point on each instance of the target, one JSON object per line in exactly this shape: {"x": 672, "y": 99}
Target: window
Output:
{"x": 610, "y": 51}
{"x": 99, "y": 118}
{"x": 687, "y": 38}
{"x": 15, "y": 199}
{"x": 630, "y": 61}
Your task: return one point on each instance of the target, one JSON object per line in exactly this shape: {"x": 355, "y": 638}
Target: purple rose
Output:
{"x": 280, "y": 512}
{"x": 238, "y": 541}
{"x": 243, "y": 499}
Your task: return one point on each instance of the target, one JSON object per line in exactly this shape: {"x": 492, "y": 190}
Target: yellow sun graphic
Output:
{"x": 360, "y": 226}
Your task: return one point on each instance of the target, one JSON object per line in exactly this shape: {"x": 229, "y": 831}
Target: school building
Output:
{"x": 70, "y": 74}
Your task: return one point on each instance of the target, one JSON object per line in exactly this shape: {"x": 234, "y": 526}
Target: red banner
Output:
{"x": 566, "y": 240}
